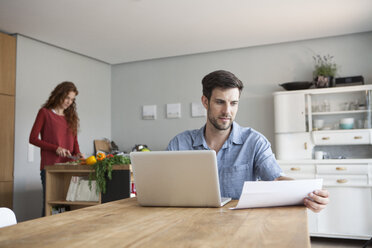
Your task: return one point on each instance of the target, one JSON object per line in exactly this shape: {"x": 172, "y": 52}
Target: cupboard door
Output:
{"x": 289, "y": 110}
{"x": 289, "y": 146}
{"x": 6, "y": 137}
{"x": 6, "y": 194}
{"x": 349, "y": 212}
{"x": 7, "y": 64}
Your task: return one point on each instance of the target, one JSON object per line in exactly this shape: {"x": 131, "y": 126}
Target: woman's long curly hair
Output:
{"x": 56, "y": 98}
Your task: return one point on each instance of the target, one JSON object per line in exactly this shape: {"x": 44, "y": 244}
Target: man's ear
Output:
{"x": 204, "y": 100}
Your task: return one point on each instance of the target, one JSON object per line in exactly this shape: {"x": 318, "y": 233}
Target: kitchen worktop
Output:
{"x": 325, "y": 161}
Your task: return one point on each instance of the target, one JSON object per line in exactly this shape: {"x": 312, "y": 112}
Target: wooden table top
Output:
{"x": 124, "y": 223}
{"x": 70, "y": 167}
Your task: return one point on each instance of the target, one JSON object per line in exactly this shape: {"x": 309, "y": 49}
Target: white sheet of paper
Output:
{"x": 276, "y": 193}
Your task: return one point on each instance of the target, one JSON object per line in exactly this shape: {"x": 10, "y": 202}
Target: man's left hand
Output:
{"x": 317, "y": 200}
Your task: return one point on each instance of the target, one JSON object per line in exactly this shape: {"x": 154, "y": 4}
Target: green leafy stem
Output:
{"x": 103, "y": 169}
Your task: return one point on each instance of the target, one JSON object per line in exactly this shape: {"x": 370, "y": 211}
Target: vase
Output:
{"x": 323, "y": 81}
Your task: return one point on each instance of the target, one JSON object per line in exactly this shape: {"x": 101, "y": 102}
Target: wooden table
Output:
{"x": 124, "y": 223}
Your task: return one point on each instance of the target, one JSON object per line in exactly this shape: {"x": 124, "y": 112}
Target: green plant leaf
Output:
{"x": 103, "y": 170}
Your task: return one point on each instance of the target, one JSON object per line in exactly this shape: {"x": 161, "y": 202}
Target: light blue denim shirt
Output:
{"x": 245, "y": 156}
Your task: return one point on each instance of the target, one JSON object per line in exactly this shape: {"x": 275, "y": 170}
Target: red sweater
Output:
{"x": 54, "y": 132}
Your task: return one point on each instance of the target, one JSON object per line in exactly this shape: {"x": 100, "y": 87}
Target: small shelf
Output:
{"x": 58, "y": 178}
{"x": 341, "y": 112}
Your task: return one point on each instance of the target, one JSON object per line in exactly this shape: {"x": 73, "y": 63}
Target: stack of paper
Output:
{"x": 277, "y": 193}
{"x": 84, "y": 193}
{"x": 79, "y": 190}
{"x": 72, "y": 189}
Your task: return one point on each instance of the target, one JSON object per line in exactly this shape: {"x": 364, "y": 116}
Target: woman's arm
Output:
{"x": 77, "y": 148}
{"x": 35, "y": 131}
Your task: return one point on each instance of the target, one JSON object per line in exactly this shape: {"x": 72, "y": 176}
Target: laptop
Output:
{"x": 177, "y": 178}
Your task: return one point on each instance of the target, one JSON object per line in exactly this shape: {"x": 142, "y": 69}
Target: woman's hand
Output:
{"x": 81, "y": 155}
{"x": 62, "y": 152}
{"x": 317, "y": 200}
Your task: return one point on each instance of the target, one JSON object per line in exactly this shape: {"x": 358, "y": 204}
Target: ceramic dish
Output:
{"x": 296, "y": 85}
{"x": 346, "y": 126}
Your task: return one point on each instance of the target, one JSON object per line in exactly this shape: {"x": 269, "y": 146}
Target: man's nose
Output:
{"x": 226, "y": 109}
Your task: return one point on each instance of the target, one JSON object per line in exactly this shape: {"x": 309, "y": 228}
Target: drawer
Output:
{"x": 342, "y": 169}
{"x": 344, "y": 180}
{"x": 341, "y": 137}
{"x": 298, "y": 169}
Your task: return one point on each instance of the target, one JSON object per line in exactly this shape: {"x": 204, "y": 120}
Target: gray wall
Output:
{"x": 261, "y": 69}
{"x": 40, "y": 67}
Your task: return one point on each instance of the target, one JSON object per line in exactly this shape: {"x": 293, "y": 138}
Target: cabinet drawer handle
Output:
{"x": 342, "y": 180}
{"x": 358, "y": 137}
{"x": 341, "y": 168}
{"x": 325, "y": 138}
{"x": 295, "y": 168}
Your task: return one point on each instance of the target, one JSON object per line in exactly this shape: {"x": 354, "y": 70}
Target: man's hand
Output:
{"x": 317, "y": 200}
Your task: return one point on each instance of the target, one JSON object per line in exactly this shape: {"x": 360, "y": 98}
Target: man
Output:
{"x": 243, "y": 154}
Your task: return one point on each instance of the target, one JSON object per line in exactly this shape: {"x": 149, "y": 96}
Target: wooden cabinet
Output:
{"x": 7, "y": 64}
{"x": 58, "y": 179}
{"x": 7, "y": 113}
{"x": 349, "y": 213}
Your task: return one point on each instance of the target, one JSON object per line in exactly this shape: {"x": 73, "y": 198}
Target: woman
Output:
{"x": 57, "y": 123}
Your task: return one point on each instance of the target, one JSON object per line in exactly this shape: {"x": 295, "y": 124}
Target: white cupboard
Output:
{"x": 349, "y": 213}
{"x": 308, "y": 119}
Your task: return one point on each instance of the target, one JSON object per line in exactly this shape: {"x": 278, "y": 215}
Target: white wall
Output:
{"x": 261, "y": 69}
{"x": 40, "y": 67}
{"x": 109, "y": 103}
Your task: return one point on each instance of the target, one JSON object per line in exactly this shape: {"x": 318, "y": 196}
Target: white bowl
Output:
{"x": 318, "y": 123}
{"x": 347, "y": 121}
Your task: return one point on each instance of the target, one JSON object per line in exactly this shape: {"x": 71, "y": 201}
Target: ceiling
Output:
{"x": 118, "y": 31}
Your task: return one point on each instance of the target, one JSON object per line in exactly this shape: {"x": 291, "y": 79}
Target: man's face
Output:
{"x": 222, "y": 107}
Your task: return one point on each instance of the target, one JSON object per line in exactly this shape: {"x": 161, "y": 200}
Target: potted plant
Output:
{"x": 325, "y": 70}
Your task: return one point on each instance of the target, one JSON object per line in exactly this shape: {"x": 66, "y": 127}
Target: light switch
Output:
{"x": 173, "y": 110}
{"x": 149, "y": 112}
{"x": 30, "y": 153}
{"x": 198, "y": 110}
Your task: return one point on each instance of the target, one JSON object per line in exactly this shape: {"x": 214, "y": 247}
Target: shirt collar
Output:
{"x": 234, "y": 137}
{"x": 199, "y": 139}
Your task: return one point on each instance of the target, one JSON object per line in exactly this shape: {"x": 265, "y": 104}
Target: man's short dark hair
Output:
{"x": 220, "y": 79}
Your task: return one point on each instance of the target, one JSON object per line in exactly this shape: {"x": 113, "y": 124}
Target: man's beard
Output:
{"x": 218, "y": 126}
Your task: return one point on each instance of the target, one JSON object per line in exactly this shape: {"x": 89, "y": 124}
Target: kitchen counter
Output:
{"x": 325, "y": 161}
{"x": 124, "y": 223}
